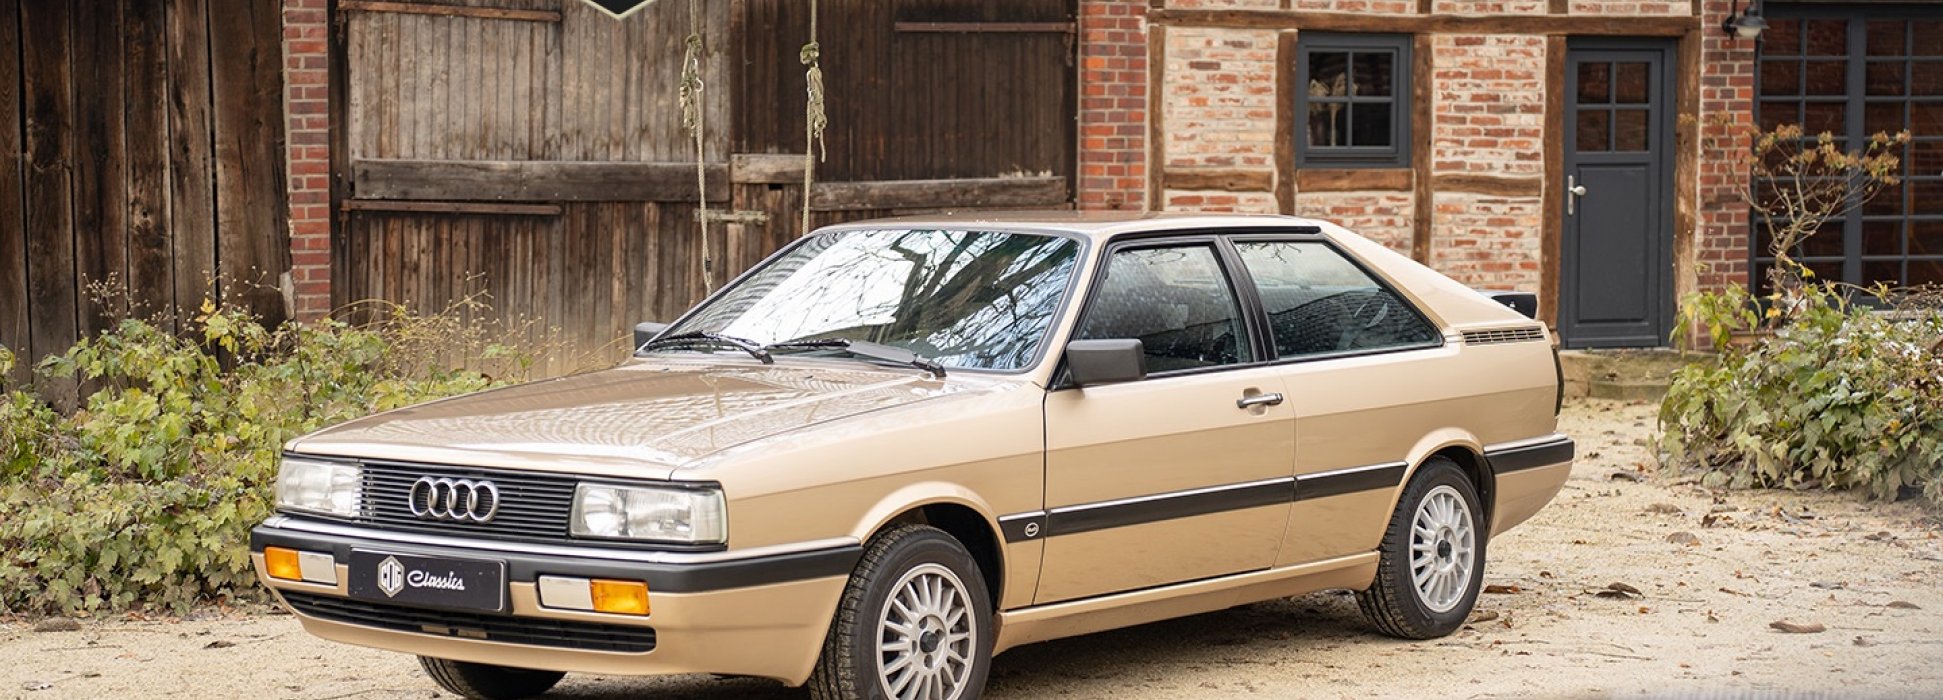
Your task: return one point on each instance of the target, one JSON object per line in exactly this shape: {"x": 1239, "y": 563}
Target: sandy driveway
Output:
{"x": 1871, "y": 574}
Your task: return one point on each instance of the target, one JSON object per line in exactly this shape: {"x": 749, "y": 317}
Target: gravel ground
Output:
{"x": 1714, "y": 574}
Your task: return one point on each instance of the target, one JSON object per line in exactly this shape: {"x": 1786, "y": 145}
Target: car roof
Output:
{"x": 1091, "y": 224}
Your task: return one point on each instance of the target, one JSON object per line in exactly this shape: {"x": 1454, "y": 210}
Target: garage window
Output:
{"x": 1353, "y": 100}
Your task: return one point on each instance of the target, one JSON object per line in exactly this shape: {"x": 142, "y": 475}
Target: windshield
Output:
{"x": 968, "y": 299}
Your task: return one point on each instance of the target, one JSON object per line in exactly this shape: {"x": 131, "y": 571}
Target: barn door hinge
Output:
{"x": 750, "y": 218}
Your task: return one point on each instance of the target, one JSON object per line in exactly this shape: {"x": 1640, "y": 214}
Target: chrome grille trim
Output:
{"x": 1493, "y": 336}
{"x": 531, "y": 507}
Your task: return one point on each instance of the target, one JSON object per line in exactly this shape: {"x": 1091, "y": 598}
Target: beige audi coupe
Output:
{"x": 897, "y": 448}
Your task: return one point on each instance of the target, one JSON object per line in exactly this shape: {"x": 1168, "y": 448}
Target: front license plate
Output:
{"x": 439, "y": 582}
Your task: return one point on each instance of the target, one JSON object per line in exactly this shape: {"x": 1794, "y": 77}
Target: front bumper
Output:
{"x": 736, "y": 613}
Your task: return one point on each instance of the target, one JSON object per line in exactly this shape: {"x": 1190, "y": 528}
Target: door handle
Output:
{"x": 1573, "y": 191}
{"x": 1258, "y": 400}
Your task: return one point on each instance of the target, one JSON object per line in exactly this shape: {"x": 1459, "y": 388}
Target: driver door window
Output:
{"x": 1176, "y": 301}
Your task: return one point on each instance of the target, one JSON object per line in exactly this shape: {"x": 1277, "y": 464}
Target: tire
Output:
{"x": 1442, "y": 498}
{"x": 488, "y": 682}
{"x": 952, "y": 646}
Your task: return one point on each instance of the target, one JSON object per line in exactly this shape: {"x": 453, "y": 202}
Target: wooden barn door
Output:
{"x": 530, "y": 153}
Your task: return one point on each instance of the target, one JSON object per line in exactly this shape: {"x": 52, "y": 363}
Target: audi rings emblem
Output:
{"x": 456, "y": 500}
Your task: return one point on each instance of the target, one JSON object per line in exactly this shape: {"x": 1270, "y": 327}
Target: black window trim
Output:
{"x": 1242, "y": 286}
{"x": 1397, "y": 154}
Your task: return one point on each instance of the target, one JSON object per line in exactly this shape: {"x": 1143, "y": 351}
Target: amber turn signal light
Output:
{"x": 623, "y": 597}
{"x": 282, "y": 564}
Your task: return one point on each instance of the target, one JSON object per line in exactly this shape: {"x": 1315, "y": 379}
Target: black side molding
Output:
{"x": 1544, "y": 454}
{"x": 1337, "y": 483}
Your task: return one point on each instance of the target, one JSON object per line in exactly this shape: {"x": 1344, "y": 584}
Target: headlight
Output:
{"x": 671, "y": 515}
{"x": 330, "y": 488}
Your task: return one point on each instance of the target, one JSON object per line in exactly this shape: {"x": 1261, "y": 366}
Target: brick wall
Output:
{"x": 1218, "y": 108}
{"x": 1113, "y": 104}
{"x": 306, "y": 97}
{"x": 1726, "y": 99}
{"x": 1389, "y": 218}
{"x": 1488, "y": 117}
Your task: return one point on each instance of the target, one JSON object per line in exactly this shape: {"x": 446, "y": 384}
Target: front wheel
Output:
{"x": 915, "y": 623}
{"x": 488, "y": 682}
{"x": 1432, "y": 557}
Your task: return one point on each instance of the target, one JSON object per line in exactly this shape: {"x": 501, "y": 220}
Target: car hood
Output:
{"x": 643, "y": 419}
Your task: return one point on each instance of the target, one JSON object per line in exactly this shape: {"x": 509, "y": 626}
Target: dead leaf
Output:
{"x": 1485, "y": 616}
{"x": 1626, "y": 476}
{"x": 1502, "y": 589}
{"x": 1716, "y": 520}
{"x": 1883, "y": 536}
{"x": 1864, "y": 642}
{"x": 1730, "y": 591}
{"x": 1830, "y": 585}
{"x": 219, "y": 644}
{"x": 1665, "y": 509}
{"x": 1903, "y": 605}
{"x": 1711, "y": 617}
{"x": 31, "y": 686}
{"x": 1798, "y": 628}
{"x": 58, "y": 624}
{"x": 1620, "y": 591}
{"x": 1684, "y": 538}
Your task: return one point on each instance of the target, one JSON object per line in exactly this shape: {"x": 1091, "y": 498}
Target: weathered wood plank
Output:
{"x": 905, "y": 194}
{"x": 1492, "y": 185}
{"x": 1156, "y": 127}
{"x": 1614, "y": 25}
{"x": 1552, "y": 229}
{"x": 413, "y": 8}
{"x": 984, "y": 27}
{"x": 252, "y": 214}
{"x": 151, "y": 270}
{"x": 14, "y": 326}
{"x": 1353, "y": 179}
{"x": 1686, "y": 168}
{"x": 766, "y": 168}
{"x": 1422, "y": 85}
{"x": 47, "y": 98}
{"x": 393, "y": 205}
{"x": 192, "y": 177}
{"x": 1286, "y": 91}
{"x": 534, "y": 181}
{"x": 1220, "y": 179}
{"x": 100, "y": 172}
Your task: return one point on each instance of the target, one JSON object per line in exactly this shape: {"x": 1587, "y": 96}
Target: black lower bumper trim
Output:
{"x": 565, "y": 634}
{"x": 1543, "y": 454}
{"x": 525, "y": 567}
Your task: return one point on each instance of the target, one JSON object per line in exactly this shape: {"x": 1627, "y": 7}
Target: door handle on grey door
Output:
{"x": 1258, "y": 400}
{"x": 1573, "y": 191}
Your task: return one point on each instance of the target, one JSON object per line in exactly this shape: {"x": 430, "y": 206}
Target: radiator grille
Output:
{"x": 1504, "y": 335}
{"x": 533, "y": 507}
{"x": 568, "y": 634}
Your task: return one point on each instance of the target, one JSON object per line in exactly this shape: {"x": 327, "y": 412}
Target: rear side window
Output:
{"x": 1319, "y": 303}
{"x": 1176, "y": 301}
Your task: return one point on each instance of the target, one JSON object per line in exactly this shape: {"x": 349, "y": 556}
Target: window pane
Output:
{"x": 1884, "y": 117}
{"x": 1329, "y": 124}
{"x": 1818, "y": 117}
{"x": 1595, "y": 84}
{"x": 1929, "y": 38}
{"x": 1328, "y": 74}
{"x": 1629, "y": 130}
{"x": 1374, "y": 74}
{"x": 1925, "y": 119}
{"x": 1926, "y": 238}
{"x": 1630, "y": 83}
{"x": 1882, "y": 238}
{"x": 1886, "y": 37}
{"x": 1888, "y": 202}
{"x": 1885, "y": 78}
{"x": 1176, "y": 302}
{"x": 1594, "y": 130}
{"x": 1318, "y": 302}
{"x": 1925, "y": 272}
{"x": 1925, "y": 196}
{"x": 1926, "y": 78}
{"x": 1886, "y": 271}
{"x": 1824, "y": 242}
{"x": 1927, "y": 157}
{"x": 1827, "y": 78}
{"x": 1370, "y": 124}
{"x": 1783, "y": 38}
{"x": 1828, "y": 37}
{"x": 1773, "y": 114}
{"x": 1782, "y": 78}
{"x": 1827, "y": 269}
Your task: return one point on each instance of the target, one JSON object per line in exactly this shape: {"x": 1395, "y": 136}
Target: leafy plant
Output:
{"x": 144, "y": 497}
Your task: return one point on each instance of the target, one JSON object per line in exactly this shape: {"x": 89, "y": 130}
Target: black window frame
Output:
{"x": 1395, "y": 155}
{"x": 1853, "y": 259}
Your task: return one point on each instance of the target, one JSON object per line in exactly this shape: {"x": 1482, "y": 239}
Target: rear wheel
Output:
{"x": 1432, "y": 560}
{"x": 914, "y": 623}
{"x": 488, "y": 682}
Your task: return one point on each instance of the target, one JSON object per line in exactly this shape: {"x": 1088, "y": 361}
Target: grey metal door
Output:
{"x": 1616, "y": 259}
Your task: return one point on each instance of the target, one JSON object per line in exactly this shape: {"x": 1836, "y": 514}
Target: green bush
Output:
{"x": 145, "y": 495}
{"x": 1839, "y": 396}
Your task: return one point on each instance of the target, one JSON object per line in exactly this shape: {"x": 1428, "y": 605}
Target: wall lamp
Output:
{"x": 1744, "y": 25}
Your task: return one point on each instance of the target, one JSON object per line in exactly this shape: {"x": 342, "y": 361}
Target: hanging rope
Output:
{"x": 814, "y": 117}
{"x": 693, "y": 119}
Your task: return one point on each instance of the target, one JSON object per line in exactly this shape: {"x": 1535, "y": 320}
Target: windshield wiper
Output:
{"x": 754, "y": 349}
{"x": 865, "y": 348}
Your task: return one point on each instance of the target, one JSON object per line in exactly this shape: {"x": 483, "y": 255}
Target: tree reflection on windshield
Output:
{"x": 974, "y": 299}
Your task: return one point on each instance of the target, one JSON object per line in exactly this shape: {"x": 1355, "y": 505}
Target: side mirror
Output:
{"x": 1093, "y": 362}
{"x": 646, "y": 331}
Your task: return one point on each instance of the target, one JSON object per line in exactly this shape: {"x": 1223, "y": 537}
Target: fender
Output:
{"x": 1436, "y": 441}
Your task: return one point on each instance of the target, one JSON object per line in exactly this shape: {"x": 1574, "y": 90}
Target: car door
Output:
{"x": 1186, "y": 474}
{"x": 1368, "y": 376}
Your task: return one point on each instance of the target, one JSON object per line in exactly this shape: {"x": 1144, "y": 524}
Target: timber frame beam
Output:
{"x": 1551, "y": 25}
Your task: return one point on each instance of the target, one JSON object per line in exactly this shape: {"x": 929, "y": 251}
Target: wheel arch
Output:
{"x": 951, "y": 508}
{"x": 1463, "y": 448}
